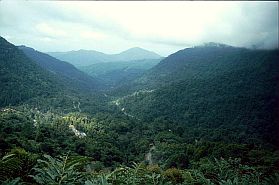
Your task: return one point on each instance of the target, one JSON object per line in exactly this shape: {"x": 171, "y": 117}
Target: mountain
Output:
{"x": 63, "y": 70}
{"x": 81, "y": 57}
{"x": 89, "y": 57}
{"x": 203, "y": 115}
{"x": 212, "y": 92}
{"x": 114, "y": 74}
{"x": 21, "y": 78}
{"x": 135, "y": 53}
{"x": 29, "y": 77}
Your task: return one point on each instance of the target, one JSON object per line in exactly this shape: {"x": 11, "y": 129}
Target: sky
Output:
{"x": 160, "y": 26}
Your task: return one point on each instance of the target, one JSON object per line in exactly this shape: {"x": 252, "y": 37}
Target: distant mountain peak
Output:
{"x": 85, "y": 51}
{"x": 138, "y": 54}
{"x": 135, "y": 48}
{"x": 88, "y": 57}
{"x": 138, "y": 49}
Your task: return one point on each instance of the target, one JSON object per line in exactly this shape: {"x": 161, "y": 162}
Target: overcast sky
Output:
{"x": 161, "y": 26}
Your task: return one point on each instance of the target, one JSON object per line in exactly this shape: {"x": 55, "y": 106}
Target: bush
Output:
{"x": 174, "y": 175}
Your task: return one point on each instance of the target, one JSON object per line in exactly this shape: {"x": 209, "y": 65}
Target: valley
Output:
{"x": 202, "y": 115}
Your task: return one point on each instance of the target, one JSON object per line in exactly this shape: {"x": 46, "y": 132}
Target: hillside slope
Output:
{"x": 229, "y": 92}
{"x": 21, "y": 78}
{"x": 45, "y": 84}
{"x": 63, "y": 70}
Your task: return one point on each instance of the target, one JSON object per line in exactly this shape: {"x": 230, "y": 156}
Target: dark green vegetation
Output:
{"x": 45, "y": 86}
{"x": 212, "y": 92}
{"x": 64, "y": 71}
{"x": 203, "y": 115}
{"x": 21, "y": 78}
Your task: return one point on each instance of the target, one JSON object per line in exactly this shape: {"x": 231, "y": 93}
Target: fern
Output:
{"x": 17, "y": 163}
{"x": 272, "y": 180}
{"x": 100, "y": 180}
{"x": 12, "y": 182}
{"x": 63, "y": 170}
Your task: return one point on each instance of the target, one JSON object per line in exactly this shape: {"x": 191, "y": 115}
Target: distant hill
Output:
{"x": 114, "y": 74}
{"x": 63, "y": 70}
{"x": 89, "y": 57}
{"x": 81, "y": 57}
{"x": 135, "y": 53}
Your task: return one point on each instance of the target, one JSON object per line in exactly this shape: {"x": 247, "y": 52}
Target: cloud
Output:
{"x": 50, "y": 31}
{"x": 163, "y": 27}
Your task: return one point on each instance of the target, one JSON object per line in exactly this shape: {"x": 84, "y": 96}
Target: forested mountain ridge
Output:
{"x": 21, "y": 78}
{"x": 218, "y": 88}
{"x": 89, "y": 57}
{"x": 205, "y": 61}
{"x": 69, "y": 74}
{"x": 44, "y": 82}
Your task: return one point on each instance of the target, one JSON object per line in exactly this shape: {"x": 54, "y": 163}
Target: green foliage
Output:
{"x": 116, "y": 74}
{"x": 61, "y": 170}
{"x": 173, "y": 175}
{"x": 16, "y": 163}
{"x": 201, "y": 116}
{"x": 21, "y": 78}
{"x": 272, "y": 180}
{"x": 63, "y": 71}
{"x": 226, "y": 94}
{"x": 230, "y": 172}
{"x": 15, "y": 181}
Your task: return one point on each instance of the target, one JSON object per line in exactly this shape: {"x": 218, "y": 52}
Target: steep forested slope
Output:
{"x": 21, "y": 78}
{"x": 66, "y": 72}
{"x": 224, "y": 92}
{"x": 44, "y": 83}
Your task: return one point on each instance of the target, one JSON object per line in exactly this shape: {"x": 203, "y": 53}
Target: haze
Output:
{"x": 163, "y": 27}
